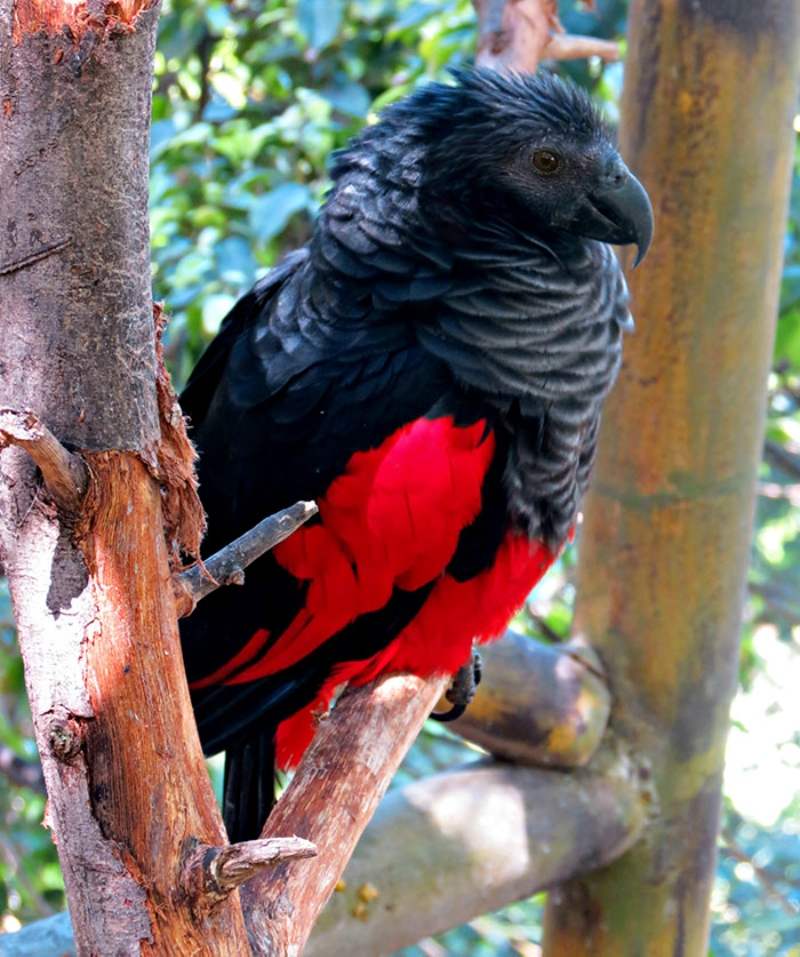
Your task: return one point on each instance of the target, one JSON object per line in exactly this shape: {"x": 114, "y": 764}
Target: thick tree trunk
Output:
{"x": 127, "y": 786}
{"x": 710, "y": 93}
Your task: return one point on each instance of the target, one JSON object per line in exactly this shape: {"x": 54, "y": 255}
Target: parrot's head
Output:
{"x": 531, "y": 148}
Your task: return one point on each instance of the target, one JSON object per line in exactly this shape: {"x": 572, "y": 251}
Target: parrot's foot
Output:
{"x": 462, "y": 690}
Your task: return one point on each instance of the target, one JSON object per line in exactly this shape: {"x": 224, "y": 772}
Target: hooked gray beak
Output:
{"x": 617, "y": 211}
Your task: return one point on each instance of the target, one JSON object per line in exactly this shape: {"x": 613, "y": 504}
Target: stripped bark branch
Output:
{"x": 65, "y": 474}
{"x": 226, "y": 567}
{"x": 330, "y": 801}
{"x": 518, "y": 35}
{"x": 489, "y": 834}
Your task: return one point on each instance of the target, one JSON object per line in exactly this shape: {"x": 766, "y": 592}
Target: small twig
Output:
{"x": 29, "y": 260}
{"x": 546, "y": 630}
{"x": 227, "y": 566}
{"x": 769, "y": 881}
{"x": 20, "y": 772}
{"x": 210, "y": 874}
{"x": 65, "y": 475}
{"x": 566, "y": 46}
{"x": 780, "y": 457}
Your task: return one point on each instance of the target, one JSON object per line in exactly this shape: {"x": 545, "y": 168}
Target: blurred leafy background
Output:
{"x": 250, "y": 98}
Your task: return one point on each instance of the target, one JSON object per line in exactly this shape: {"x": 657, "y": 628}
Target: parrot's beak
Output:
{"x": 623, "y": 203}
{"x": 616, "y": 209}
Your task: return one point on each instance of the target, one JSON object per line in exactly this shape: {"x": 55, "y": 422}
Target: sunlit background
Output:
{"x": 249, "y": 100}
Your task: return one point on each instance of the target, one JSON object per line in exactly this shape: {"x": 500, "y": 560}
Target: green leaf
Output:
{"x": 272, "y": 211}
{"x": 319, "y": 21}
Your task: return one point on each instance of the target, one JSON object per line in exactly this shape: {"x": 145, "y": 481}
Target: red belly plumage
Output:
{"x": 391, "y": 521}
{"x": 439, "y": 640}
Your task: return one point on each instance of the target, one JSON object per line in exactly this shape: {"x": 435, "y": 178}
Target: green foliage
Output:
{"x": 250, "y": 98}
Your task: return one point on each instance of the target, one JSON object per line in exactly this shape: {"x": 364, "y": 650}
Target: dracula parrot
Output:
{"x": 430, "y": 368}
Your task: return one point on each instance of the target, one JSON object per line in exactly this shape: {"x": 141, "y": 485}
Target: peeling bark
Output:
{"x": 78, "y": 21}
{"x": 92, "y": 594}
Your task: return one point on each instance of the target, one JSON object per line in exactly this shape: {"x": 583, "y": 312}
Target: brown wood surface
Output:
{"x": 537, "y": 703}
{"x": 127, "y": 785}
{"x": 446, "y": 848}
{"x": 330, "y": 801}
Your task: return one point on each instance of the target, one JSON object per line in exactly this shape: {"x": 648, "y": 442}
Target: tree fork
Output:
{"x": 709, "y": 99}
{"x": 93, "y": 599}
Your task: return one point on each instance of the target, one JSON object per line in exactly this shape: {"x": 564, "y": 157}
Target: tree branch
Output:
{"x": 65, "y": 475}
{"x": 226, "y": 567}
{"x": 538, "y": 704}
{"x": 330, "y": 800}
{"x": 490, "y": 833}
{"x": 210, "y": 873}
{"x": 518, "y": 35}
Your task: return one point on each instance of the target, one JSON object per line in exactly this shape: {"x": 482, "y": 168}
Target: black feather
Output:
{"x": 433, "y": 285}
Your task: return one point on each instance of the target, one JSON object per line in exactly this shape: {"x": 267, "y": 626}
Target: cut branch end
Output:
{"x": 210, "y": 873}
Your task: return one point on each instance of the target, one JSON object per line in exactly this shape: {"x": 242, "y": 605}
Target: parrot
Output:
{"x": 430, "y": 369}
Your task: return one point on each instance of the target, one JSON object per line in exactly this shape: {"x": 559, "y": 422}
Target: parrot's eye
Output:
{"x": 546, "y": 161}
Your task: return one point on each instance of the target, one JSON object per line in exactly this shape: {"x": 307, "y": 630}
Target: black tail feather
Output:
{"x": 249, "y": 790}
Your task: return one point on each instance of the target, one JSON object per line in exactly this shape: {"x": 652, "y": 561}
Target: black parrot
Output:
{"x": 430, "y": 368}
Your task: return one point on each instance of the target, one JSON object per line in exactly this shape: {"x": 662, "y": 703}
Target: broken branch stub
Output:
{"x": 226, "y": 567}
{"x": 65, "y": 475}
{"x": 210, "y": 873}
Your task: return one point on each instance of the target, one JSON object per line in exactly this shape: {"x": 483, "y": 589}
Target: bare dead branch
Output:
{"x": 65, "y": 475}
{"x": 227, "y": 566}
{"x": 330, "y": 800}
{"x": 210, "y": 873}
{"x": 566, "y": 46}
{"x": 15, "y": 265}
{"x": 519, "y": 34}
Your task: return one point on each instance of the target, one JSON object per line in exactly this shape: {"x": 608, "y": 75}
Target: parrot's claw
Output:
{"x": 462, "y": 690}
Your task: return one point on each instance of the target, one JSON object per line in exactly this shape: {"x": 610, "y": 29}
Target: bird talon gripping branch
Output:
{"x": 462, "y": 690}
{"x": 430, "y": 368}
